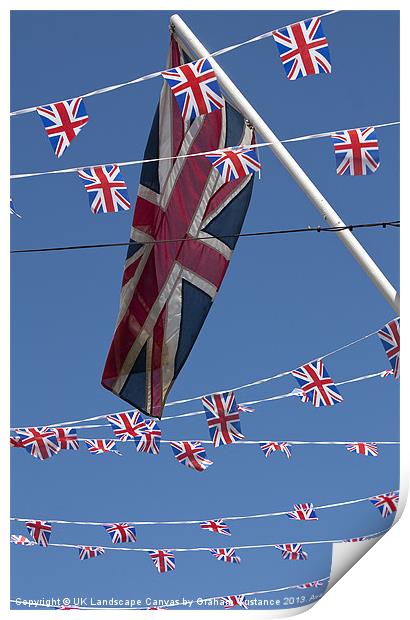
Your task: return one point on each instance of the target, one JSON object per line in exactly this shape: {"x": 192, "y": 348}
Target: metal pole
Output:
{"x": 311, "y": 191}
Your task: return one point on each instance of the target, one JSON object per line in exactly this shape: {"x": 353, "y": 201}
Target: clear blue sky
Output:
{"x": 285, "y": 300}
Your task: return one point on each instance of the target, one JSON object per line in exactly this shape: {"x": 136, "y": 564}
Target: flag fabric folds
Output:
{"x": 63, "y": 121}
{"x": 168, "y": 288}
{"x": 164, "y": 561}
{"x": 126, "y": 425}
{"x": 226, "y": 555}
{"x": 195, "y": 88}
{"x": 303, "y": 512}
{"x": 148, "y": 440}
{"x": 15, "y": 442}
{"x": 218, "y": 526}
{"x": 270, "y": 447}
{"x": 361, "y": 447}
{"x": 86, "y": 553}
{"x": 191, "y": 454}
{"x": 121, "y": 533}
{"x": 303, "y": 49}
{"x": 101, "y": 446}
{"x": 40, "y": 532}
{"x": 235, "y": 163}
{"x": 356, "y": 151}
{"x": 390, "y": 339}
{"x": 223, "y": 418}
{"x": 106, "y": 189}
{"x": 317, "y": 385}
{"x": 292, "y": 551}
{"x": 41, "y": 442}
{"x": 387, "y": 503}
{"x": 67, "y": 438}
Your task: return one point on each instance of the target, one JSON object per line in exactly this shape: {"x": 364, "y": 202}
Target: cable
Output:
{"x": 385, "y": 224}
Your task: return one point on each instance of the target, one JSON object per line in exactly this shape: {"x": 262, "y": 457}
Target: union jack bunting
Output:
{"x": 387, "y": 373}
{"x": 39, "y": 531}
{"x": 163, "y": 560}
{"x": 292, "y": 551}
{"x": 21, "y": 540}
{"x": 318, "y": 386}
{"x": 218, "y": 526}
{"x": 387, "y": 503}
{"x": 40, "y": 442}
{"x": 359, "y": 539}
{"x": 235, "y": 163}
{"x": 274, "y": 446}
{"x": 148, "y": 439}
{"x": 100, "y": 446}
{"x": 242, "y": 408}
{"x": 121, "y": 532}
{"x": 126, "y": 425}
{"x": 168, "y": 288}
{"x": 223, "y": 418}
{"x": 303, "y": 512}
{"x": 106, "y": 189}
{"x": 311, "y": 584}
{"x": 86, "y": 553}
{"x": 361, "y": 447}
{"x": 63, "y": 121}
{"x": 301, "y": 394}
{"x": 226, "y": 555}
{"x": 356, "y": 151}
{"x": 390, "y": 338}
{"x": 15, "y": 442}
{"x": 235, "y": 600}
{"x": 67, "y": 438}
{"x": 191, "y": 454}
{"x": 303, "y": 49}
{"x": 195, "y": 88}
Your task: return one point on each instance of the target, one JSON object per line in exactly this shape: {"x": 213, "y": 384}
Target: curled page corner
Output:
{"x": 346, "y": 554}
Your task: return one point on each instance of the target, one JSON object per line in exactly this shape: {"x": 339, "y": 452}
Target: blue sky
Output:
{"x": 284, "y": 301}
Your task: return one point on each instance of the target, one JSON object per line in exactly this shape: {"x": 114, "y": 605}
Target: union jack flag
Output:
{"x": 63, "y": 121}
{"x": 191, "y": 454}
{"x": 356, "y": 151}
{"x": 274, "y": 446}
{"x": 235, "y": 600}
{"x": 223, "y": 418}
{"x": 387, "y": 503}
{"x": 148, "y": 440}
{"x": 126, "y": 425}
{"x": 106, "y": 189}
{"x": 163, "y": 560}
{"x": 15, "y": 442}
{"x": 100, "y": 446}
{"x": 121, "y": 532}
{"x": 168, "y": 288}
{"x": 234, "y": 163}
{"x": 86, "y": 553}
{"x": 390, "y": 338}
{"x": 226, "y": 555}
{"x": 40, "y": 442}
{"x": 303, "y": 49}
{"x": 303, "y": 512}
{"x": 361, "y": 447}
{"x": 196, "y": 88}
{"x": 292, "y": 551}
{"x": 318, "y": 386}
{"x": 359, "y": 539}
{"x": 218, "y": 526}
{"x": 311, "y": 584}
{"x": 39, "y": 531}
{"x": 300, "y": 394}
{"x": 67, "y": 438}
{"x": 21, "y": 540}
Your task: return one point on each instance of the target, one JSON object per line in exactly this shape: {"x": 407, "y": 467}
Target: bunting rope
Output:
{"x": 259, "y": 441}
{"x": 198, "y": 521}
{"x": 156, "y": 74}
{"x": 188, "y": 155}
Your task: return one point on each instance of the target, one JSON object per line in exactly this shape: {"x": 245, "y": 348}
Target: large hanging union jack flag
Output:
{"x": 226, "y": 555}
{"x": 317, "y": 385}
{"x": 195, "y": 88}
{"x": 126, "y": 425}
{"x": 63, "y": 121}
{"x": 106, "y": 189}
{"x": 86, "y": 553}
{"x": 101, "y": 446}
{"x": 387, "y": 503}
{"x": 39, "y": 531}
{"x": 191, "y": 454}
{"x": 356, "y": 151}
{"x": 40, "y": 442}
{"x": 390, "y": 338}
{"x": 163, "y": 560}
{"x": 361, "y": 447}
{"x": 292, "y": 551}
{"x": 274, "y": 446}
{"x": 148, "y": 440}
{"x": 223, "y": 418}
{"x": 303, "y": 512}
{"x": 67, "y": 438}
{"x": 168, "y": 288}
{"x": 19, "y": 539}
{"x": 303, "y": 49}
{"x": 218, "y": 526}
{"x": 235, "y": 600}
{"x": 121, "y": 532}
{"x": 235, "y": 163}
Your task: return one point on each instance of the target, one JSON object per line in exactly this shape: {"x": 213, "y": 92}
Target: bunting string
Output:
{"x": 156, "y": 74}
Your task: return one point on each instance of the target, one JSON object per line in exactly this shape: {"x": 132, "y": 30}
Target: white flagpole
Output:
{"x": 309, "y": 188}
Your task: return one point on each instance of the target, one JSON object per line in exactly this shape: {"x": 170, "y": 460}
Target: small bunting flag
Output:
{"x": 148, "y": 439}
{"x": 223, "y": 418}
{"x": 356, "y": 151}
{"x": 41, "y": 442}
{"x": 234, "y": 163}
{"x": 292, "y": 551}
{"x": 101, "y": 446}
{"x": 387, "y": 503}
{"x": 19, "y": 539}
{"x": 235, "y": 600}
{"x": 191, "y": 454}
{"x": 316, "y": 383}
{"x": 361, "y": 447}
{"x": 390, "y": 339}
{"x": 67, "y": 438}
{"x": 63, "y": 121}
{"x": 121, "y": 533}
{"x": 311, "y": 584}
{"x": 106, "y": 189}
{"x": 86, "y": 553}
{"x": 163, "y": 560}
{"x": 226, "y": 555}
{"x": 39, "y": 531}
{"x": 276, "y": 446}
{"x": 303, "y": 512}
{"x": 218, "y": 526}
{"x": 126, "y": 425}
